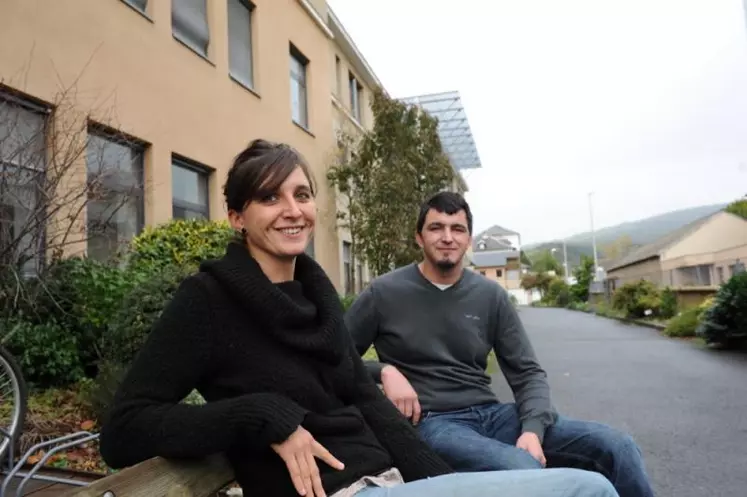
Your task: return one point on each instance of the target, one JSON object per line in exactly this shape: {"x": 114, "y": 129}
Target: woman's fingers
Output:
{"x": 316, "y": 480}
{"x": 295, "y": 473}
{"x": 322, "y": 453}
{"x": 303, "y": 463}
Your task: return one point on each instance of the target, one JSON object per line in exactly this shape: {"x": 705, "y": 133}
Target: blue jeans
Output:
{"x": 533, "y": 483}
{"x": 483, "y": 438}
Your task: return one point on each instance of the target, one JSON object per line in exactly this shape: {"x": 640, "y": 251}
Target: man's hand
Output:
{"x": 299, "y": 453}
{"x": 530, "y": 442}
{"x": 400, "y": 392}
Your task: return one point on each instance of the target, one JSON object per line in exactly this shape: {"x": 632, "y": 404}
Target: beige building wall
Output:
{"x": 352, "y": 79}
{"x": 722, "y": 231}
{"x": 649, "y": 270}
{"x": 510, "y": 279}
{"x": 128, "y": 70}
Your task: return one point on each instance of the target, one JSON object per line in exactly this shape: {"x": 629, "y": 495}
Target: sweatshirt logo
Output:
{"x": 472, "y": 317}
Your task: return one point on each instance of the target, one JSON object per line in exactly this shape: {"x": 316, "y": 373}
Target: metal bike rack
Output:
{"x": 59, "y": 443}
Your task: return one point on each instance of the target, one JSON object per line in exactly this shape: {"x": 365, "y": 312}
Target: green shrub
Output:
{"x": 139, "y": 310}
{"x": 82, "y": 295}
{"x": 684, "y": 324}
{"x": 347, "y": 301}
{"x": 180, "y": 243}
{"x": 668, "y": 308}
{"x": 46, "y": 352}
{"x": 726, "y": 319}
{"x": 558, "y": 293}
{"x": 634, "y": 299}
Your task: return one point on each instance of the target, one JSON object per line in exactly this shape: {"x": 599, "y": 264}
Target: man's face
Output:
{"x": 445, "y": 238}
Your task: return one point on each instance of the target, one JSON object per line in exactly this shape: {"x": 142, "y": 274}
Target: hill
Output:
{"x": 632, "y": 234}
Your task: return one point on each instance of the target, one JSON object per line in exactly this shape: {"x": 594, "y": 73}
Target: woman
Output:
{"x": 260, "y": 334}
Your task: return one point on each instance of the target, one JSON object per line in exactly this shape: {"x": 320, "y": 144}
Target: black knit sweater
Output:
{"x": 267, "y": 358}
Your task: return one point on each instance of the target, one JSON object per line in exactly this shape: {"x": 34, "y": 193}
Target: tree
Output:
{"x": 59, "y": 188}
{"x": 391, "y": 170}
{"x": 738, "y": 207}
{"x": 584, "y": 274}
{"x": 617, "y": 248}
{"x": 539, "y": 281}
{"x": 545, "y": 261}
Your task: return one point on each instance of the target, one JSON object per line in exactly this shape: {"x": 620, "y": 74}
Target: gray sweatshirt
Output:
{"x": 440, "y": 340}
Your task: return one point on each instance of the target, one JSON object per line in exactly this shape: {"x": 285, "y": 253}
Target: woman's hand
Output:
{"x": 299, "y": 453}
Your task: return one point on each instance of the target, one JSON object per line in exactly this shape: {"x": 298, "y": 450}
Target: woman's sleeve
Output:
{"x": 412, "y": 456}
{"x": 147, "y": 419}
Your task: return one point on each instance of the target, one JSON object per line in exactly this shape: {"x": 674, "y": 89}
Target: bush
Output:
{"x": 139, "y": 310}
{"x": 558, "y": 294}
{"x": 347, "y": 301}
{"x": 47, "y": 353}
{"x": 179, "y": 243}
{"x": 726, "y": 319}
{"x": 684, "y": 324}
{"x": 634, "y": 299}
{"x": 669, "y": 304}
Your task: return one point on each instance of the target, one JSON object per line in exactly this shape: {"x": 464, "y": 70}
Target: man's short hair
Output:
{"x": 448, "y": 202}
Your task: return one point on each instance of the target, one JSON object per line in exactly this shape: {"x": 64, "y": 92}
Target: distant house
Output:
{"x": 704, "y": 253}
{"x": 496, "y": 238}
{"x": 496, "y": 255}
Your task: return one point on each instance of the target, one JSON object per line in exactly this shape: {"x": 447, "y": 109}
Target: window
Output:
{"x": 22, "y": 184}
{"x": 189, "y": 24}
{"x": 338, "y": 65}
{"x": 299, "y": 106}
{"x": 240, "y": 41}
{"x": 355, "y": 97}
{"x": 140, "y": 5}
{"x": 115, "y": 209}
{"x": 359, "y": 275}
{"x": 720, "y": 274}
{"x": 189, "y": 183}
{"x": 499, "y": 273}
{"x": 347, "y": 265}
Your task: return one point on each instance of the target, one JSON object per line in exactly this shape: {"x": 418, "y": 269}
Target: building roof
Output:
{"x": 655, "y": 248}
{"x": 496, "y": 230}
{"x": 453, "y": 127}
{"x": 494, "y": 258}
{"x": 346, "y": 43}
{"x": 490, "y": 244}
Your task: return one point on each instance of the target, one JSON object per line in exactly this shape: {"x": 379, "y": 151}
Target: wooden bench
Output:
{"x": 159, "y": 477}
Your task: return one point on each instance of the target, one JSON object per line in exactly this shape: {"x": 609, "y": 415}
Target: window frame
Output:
{"x": 296, "y": 56}
{"x": 203, "y": 52}
{"x": 240, "y": 78}
{"x": 138, "y": 147}
{"x": 203, "y": 172}
{"x": 11, "y": 97}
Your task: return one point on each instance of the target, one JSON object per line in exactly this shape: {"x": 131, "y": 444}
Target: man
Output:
{"x": 433, "y": 325}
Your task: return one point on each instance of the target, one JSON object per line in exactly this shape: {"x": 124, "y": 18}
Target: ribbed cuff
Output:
{"x": 534, "y": 425}
{"x": 267, "y": 418}
{"x": 374, "y": 369}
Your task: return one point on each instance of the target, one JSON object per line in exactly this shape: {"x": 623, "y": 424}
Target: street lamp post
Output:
{"x": 593, "y": 237}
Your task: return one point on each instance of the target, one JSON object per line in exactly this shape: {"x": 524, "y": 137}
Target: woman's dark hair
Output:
{"x": 259, "y": 170}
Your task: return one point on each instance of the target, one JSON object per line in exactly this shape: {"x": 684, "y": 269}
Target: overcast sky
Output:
{"x": 643, "y": 102}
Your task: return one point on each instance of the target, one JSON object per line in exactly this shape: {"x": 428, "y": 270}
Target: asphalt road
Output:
{"x": 685, "y": 405}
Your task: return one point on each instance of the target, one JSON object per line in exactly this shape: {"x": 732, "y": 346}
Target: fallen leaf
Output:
{"x": 87, "y": 425}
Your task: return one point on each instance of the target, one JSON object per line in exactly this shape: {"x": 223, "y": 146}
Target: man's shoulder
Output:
{"x": 394, "y": 278}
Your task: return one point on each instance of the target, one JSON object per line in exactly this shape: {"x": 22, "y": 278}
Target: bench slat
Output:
{"x": 159, "y": 477}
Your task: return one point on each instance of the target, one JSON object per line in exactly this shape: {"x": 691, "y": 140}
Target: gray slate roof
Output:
{"x": 493, "y": 259}
{"x": 490, "y": 244}
{"x": 496, "y": 230}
